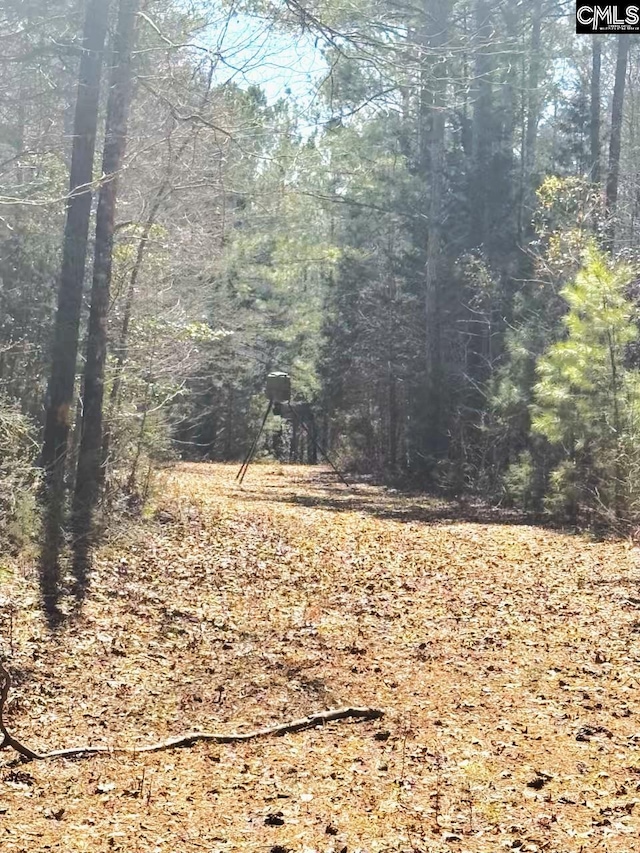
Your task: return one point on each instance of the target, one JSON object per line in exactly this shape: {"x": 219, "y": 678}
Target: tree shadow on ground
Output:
{"x": 57, "y": 553}
{"x": 81, "y": 562}
{"x": 49, "y": 570}
{"x": 392, "y": 504}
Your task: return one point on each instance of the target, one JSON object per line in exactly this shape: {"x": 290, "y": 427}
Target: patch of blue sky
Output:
{"x": 283, "y": 63}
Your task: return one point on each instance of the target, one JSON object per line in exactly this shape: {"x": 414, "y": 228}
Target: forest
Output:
{"x": 427, "y": 214}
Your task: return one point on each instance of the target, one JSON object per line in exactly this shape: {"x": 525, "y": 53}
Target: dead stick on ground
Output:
{"x": 188, "y": 739}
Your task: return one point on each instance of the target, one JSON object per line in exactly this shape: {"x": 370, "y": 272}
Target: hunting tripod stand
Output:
{"x": 278, "y": 391}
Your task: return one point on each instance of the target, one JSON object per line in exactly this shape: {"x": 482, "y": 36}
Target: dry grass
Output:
{"x": 506, "y": 658}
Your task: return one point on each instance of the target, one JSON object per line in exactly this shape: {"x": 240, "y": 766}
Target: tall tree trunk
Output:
{"x": 293, "y": 447}
{"x": 67, "y": 321}
{"x": 596, "y": 62}
{"x": 533, "y": 99}
{"x": 509, "y": 97}
{"x": 390, "y": 333}
{"x": 615, "y": 141}
{"x": 482, "y": 125}
{"x": 533, "y": 105}
{"x": 436, "y": 15}
{"x": 74, "y": 252}
{"x": 392, "y": 405}
{"x": 88, "y": 477}
{"x": 229, "y": 424}
{"x": 312, "y": 451}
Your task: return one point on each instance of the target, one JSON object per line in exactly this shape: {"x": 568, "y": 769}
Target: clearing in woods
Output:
{"x": 505, "y": 657}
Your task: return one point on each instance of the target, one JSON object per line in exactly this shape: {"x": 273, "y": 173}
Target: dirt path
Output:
{"x": 506, "y": 658}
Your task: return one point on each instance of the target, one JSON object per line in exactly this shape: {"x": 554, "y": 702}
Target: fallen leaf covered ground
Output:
{"x": 506, "y": 658}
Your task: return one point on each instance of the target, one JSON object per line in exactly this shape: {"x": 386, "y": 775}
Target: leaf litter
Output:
{"x": 504, "y": 655}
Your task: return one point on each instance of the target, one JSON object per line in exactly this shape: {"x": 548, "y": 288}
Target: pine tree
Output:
{"x": 587, "y": 401}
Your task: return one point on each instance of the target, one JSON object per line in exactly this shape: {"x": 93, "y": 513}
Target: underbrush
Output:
{"x": 19, "y": 480}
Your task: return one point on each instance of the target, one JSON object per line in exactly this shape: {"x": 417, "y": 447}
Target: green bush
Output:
{"x": 519, "y": 481}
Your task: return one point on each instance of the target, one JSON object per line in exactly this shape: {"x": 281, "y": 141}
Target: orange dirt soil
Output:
{"x": 506, "y": 658}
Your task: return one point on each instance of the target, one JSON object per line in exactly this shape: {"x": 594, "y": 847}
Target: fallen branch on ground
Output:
{"x": 187, "y": 739}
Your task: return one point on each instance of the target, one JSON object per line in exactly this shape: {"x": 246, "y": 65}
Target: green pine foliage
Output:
{"x": 587, "y": 397}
